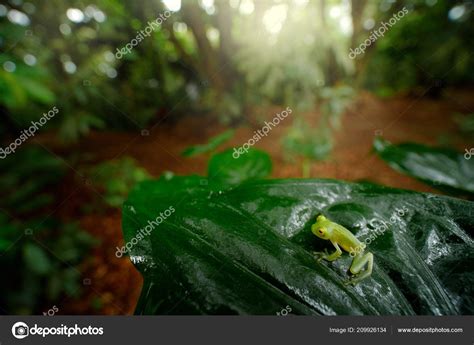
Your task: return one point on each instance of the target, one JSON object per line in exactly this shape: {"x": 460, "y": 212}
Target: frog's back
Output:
{"x": 346, "y": 239}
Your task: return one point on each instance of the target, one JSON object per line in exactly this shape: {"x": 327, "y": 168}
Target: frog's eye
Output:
{"x": 321, "y": 231}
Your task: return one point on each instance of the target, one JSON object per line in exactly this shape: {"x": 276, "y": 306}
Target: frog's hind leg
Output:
{"x": 358, "y": 264}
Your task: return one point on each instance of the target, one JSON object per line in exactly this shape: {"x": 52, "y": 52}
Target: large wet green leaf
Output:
{"x": 248, "y": 250}
{"x": 441, "y": 168}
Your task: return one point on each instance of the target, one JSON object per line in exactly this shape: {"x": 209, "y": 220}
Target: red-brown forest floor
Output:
{"x": 113, "y": 285}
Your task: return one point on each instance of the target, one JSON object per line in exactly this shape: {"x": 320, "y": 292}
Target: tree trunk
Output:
{"x": 357, "y": 9}
{"x": 209, "y": 58}
{"x": 332, "y": 69}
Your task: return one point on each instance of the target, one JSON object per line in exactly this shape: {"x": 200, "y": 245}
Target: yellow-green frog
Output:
{"x": 340, "y": 237}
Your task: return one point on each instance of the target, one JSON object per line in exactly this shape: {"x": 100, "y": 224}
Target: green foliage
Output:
{"x": 465, "y": 123}
{"x": 76, "y": 71}
{"x": 169, "y": 65}
{"x": 442, "y": 168}
{"x": 40, "y": 262}
{"x": 309, "y": 142}
{"x": 335, "y": 102}
{"x": 248, "y": 249}
{"x": 229, "y": 106}
{"x": 25, "y": 91}
{"x": 172, "y": 70}
{"x": 116, "y": 177}
{"x": 30, "y": 171}
{"x": 423, "y": 47}
{"x": 317, "y": 143}
{"x": 27, "y": 84}
{"x": 211, "y": 145}
{"x": 292, "y": 66}
{"x": 39, "y": 254}
{"x": 78, "y": 125}
{"x": 229, "y": 169}
{"x": 36, "y": 259}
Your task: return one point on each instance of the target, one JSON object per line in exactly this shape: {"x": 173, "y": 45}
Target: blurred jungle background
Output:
{"x": 209, "y": 76}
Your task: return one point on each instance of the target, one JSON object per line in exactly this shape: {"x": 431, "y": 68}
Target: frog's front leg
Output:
{"x": 359, "y": 262}
{"x": 333, "y": 256}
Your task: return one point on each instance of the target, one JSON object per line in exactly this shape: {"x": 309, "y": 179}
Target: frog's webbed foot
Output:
{"x": 352, "y": 281}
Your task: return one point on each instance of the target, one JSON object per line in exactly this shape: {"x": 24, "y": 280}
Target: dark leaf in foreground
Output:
{"x": 248, "y": 250}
